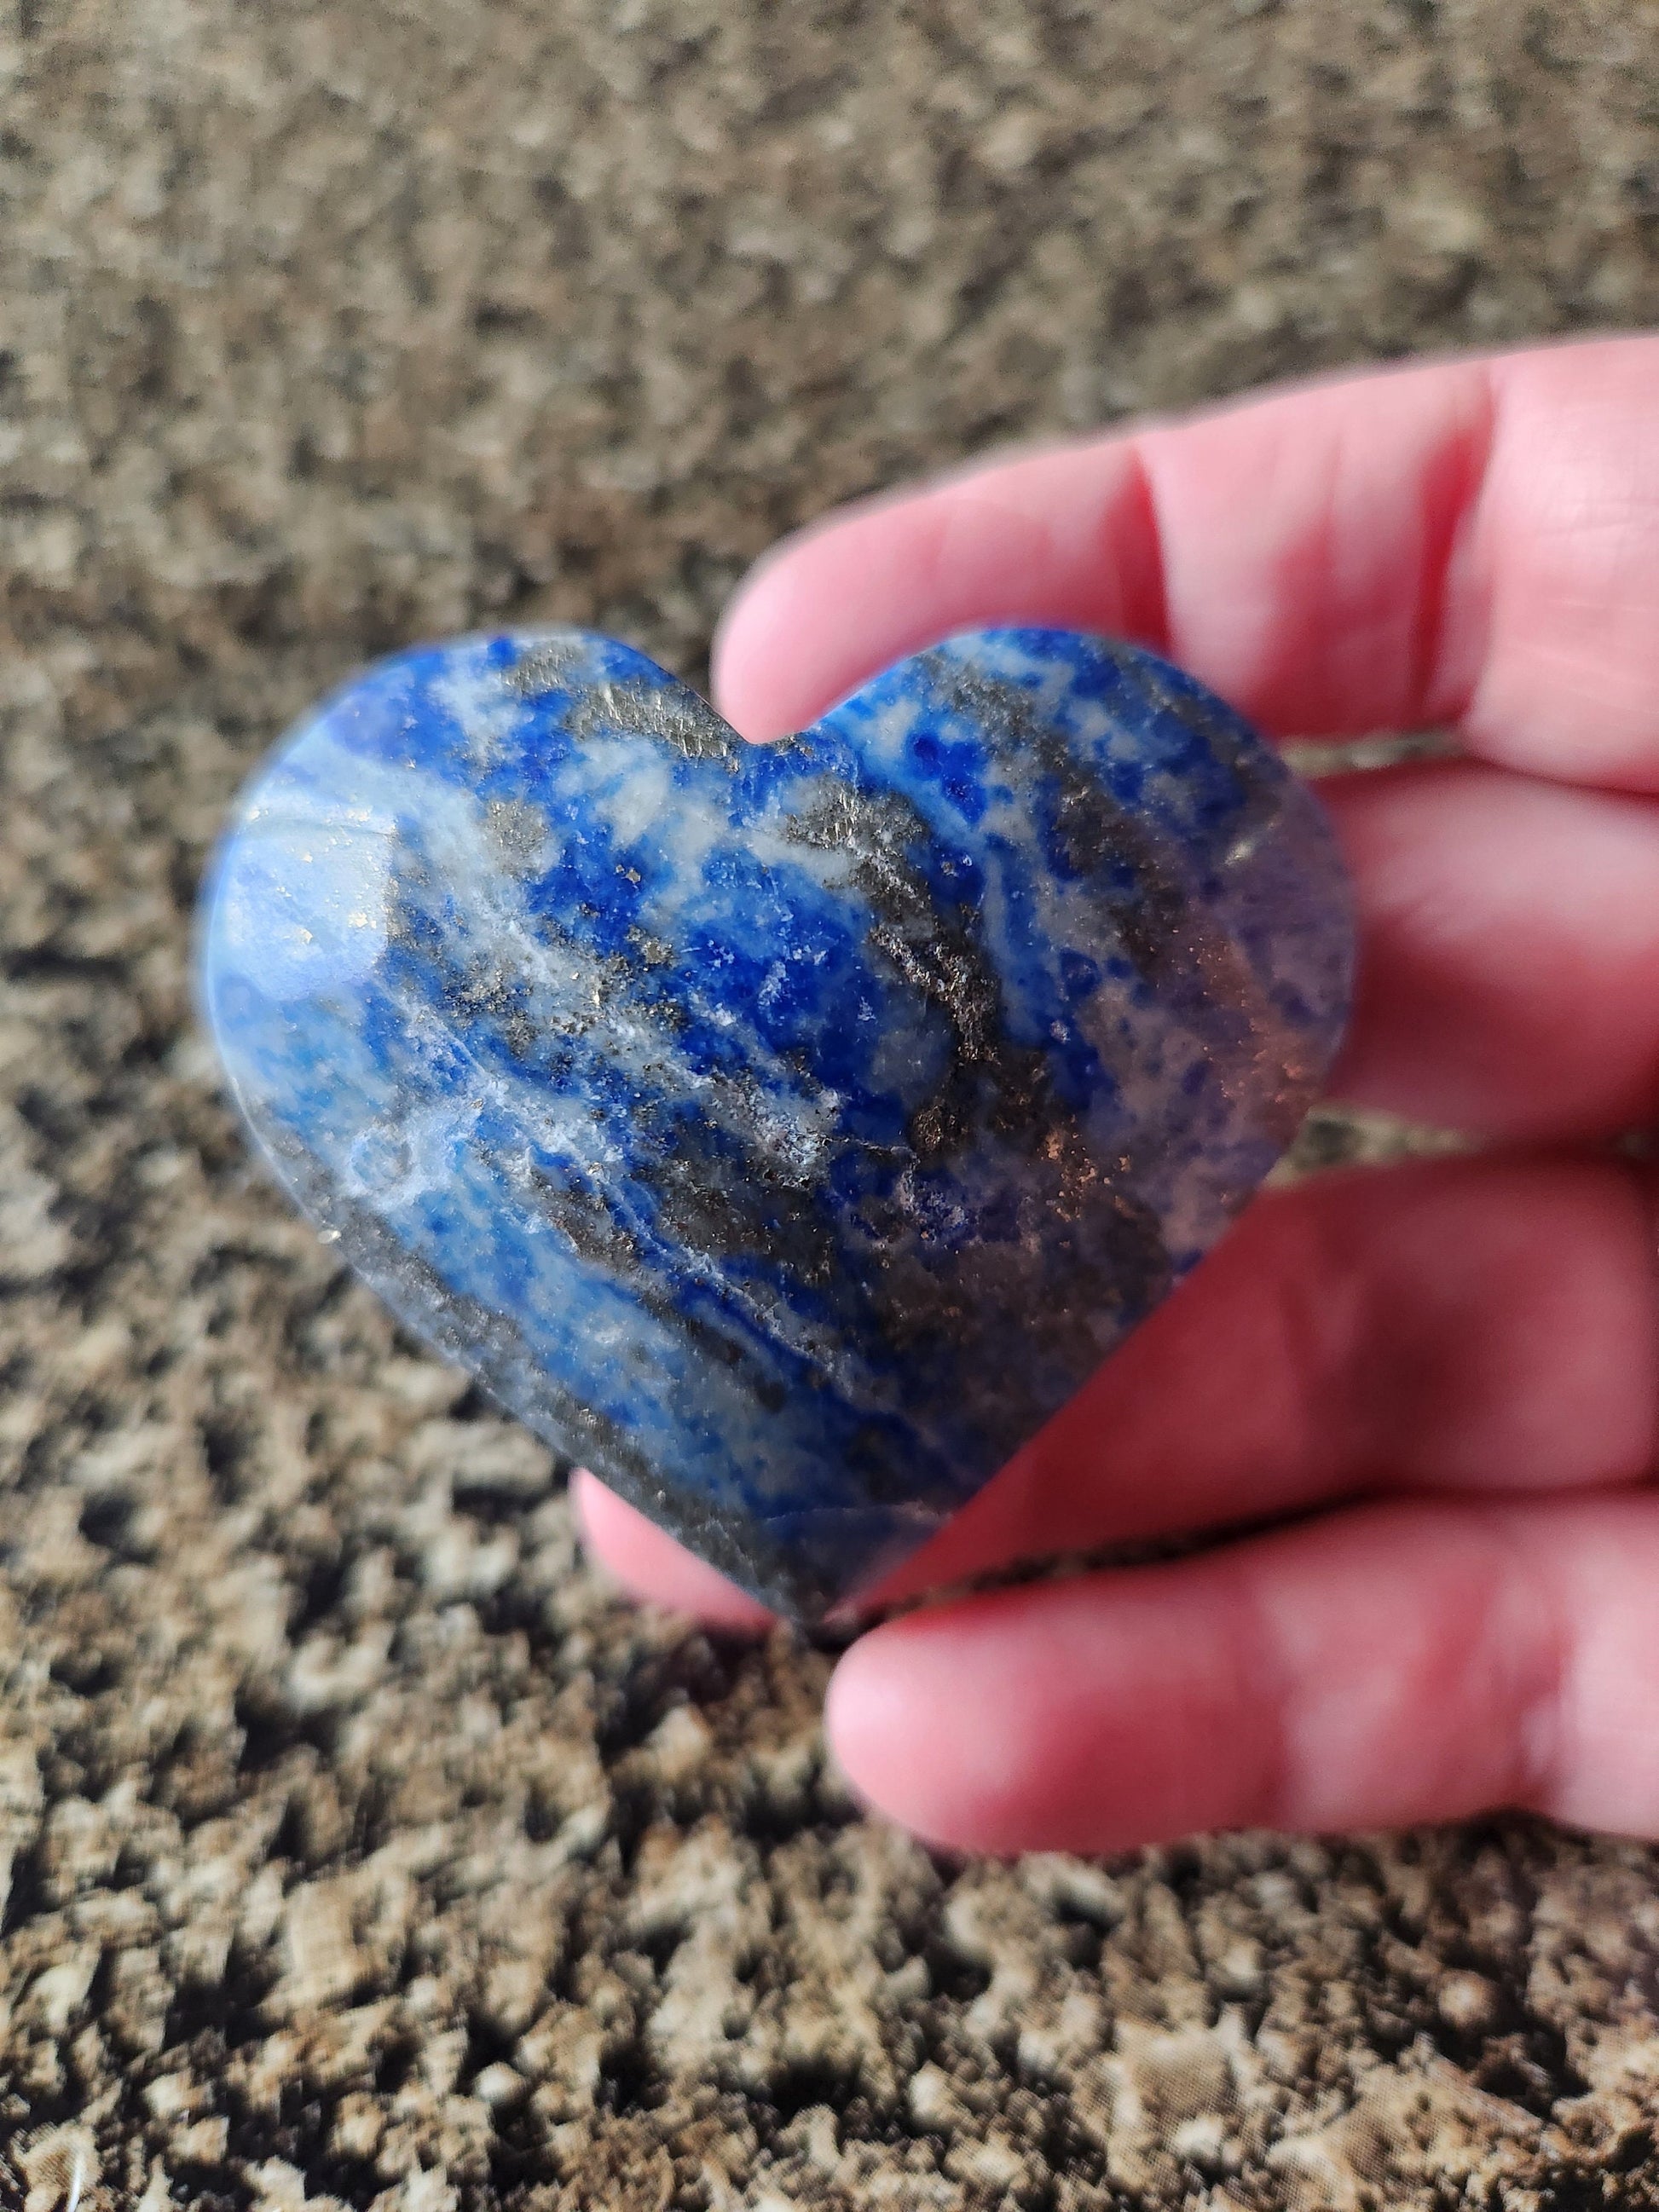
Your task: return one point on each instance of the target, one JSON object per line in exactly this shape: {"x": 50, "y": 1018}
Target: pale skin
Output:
{"x": 1448, "y": 1371}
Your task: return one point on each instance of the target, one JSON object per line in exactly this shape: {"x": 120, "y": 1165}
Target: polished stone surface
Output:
{"x": 784, "y": 1133}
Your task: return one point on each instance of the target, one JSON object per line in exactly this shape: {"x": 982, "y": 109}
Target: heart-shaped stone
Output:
{"x": 784, "y": 1133}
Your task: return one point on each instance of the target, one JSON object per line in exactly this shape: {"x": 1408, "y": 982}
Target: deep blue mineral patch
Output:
{"x": 783, "y": 1133}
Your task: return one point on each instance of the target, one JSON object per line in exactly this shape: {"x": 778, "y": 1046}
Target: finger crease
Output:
{"x": 1147, "y": 612}
{"x": 1264, "y": 1687}
{"x": 1645, "y": 1175}
{"x": 1542, "y": 1751}
{"x": 1452, "y": 520}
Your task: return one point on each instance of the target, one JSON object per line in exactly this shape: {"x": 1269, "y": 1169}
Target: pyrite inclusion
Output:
{"x": 783, "y": 1133}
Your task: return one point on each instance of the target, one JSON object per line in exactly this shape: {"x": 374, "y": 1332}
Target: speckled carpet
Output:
{"x": 360, "y": 1847}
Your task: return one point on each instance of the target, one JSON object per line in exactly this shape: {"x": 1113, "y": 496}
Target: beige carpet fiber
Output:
{"x": 358, "y": 1845}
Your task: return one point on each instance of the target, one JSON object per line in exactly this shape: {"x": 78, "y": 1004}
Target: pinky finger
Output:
{"x": 1416, "y": 1661}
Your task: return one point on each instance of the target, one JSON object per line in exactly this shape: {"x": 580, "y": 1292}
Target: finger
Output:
{"x": 1456, "y": 1324}
{"x": 1473, "y": 541}
{"x": 652, "y": 1567}
{"x": 1509, "y": 971}
{"x": 1407, "y": 1662}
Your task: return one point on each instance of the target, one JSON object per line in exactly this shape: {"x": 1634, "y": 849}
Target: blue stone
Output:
{"x": 783, "y": 1133}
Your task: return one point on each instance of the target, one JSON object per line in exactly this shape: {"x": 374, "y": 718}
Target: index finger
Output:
{"x": 1473, "y": 543}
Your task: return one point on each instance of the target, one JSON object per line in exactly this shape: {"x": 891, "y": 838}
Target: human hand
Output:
{"x": 1449, "y": 1368}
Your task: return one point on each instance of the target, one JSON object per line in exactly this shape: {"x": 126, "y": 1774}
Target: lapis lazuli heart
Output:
{"x": 783, "y": 1133}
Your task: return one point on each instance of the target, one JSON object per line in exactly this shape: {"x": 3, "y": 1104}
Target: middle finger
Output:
{"x": 1455, "y": 1324}
{"x": 1509, "y": 951}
